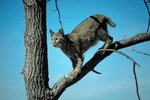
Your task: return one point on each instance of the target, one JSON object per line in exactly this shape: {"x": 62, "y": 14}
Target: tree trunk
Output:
{"x": 35, "y": 70}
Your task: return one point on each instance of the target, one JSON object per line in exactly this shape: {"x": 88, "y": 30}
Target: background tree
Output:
{"x": 35, "y": 70}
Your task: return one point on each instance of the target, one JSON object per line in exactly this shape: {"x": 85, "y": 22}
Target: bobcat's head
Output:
{"x": 57, "y": 39}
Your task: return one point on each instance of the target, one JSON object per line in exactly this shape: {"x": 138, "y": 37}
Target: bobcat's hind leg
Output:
{"x": 108, "y": 40}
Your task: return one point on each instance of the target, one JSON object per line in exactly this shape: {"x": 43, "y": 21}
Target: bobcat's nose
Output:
{"x": 55, "y": 45}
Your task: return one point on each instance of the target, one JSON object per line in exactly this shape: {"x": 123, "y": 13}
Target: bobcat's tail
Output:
{"x": 110, "y": 22}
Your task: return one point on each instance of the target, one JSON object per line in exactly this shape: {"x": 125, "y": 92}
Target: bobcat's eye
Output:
{"x": 51, "y": 40}
{"x": 57, "y": 40}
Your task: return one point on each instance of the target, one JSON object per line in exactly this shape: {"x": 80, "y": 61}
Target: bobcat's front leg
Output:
{"x": 77, "y": 68}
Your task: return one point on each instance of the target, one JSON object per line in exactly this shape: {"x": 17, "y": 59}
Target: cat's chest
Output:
{"x": 70, "y": 51}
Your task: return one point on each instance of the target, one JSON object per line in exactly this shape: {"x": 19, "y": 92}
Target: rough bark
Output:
{"x": 35, "y": 70}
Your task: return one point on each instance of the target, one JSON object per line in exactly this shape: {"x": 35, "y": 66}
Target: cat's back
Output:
{"x": 89, "y": 23}
{"x": 87, "y": 28}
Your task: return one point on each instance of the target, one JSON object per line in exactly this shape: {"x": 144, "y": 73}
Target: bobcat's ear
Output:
{"x": 51, "y": 32}
{"x": 61, "y": 31}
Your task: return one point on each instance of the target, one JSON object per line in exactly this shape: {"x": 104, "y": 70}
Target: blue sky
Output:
{"x": 116, "y": 81}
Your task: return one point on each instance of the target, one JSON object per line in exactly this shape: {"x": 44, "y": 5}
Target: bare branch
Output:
{"x": 58, "y": 13}
{"x": 136, "y": 82}
{"x": 148, "y": 13}
{"x": 128, "y": 57}
{"x": 147, "y": 54}
{"x": 65, "y": 82}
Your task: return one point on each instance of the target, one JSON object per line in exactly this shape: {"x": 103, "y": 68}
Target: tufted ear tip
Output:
{"x": 51, "y": 32}
{"x": 61, "y": 31}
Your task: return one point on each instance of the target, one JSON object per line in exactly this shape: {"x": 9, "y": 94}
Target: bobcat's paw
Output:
{"x": 75, "y": 72}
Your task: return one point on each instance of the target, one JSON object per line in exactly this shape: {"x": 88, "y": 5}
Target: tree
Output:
{"x": 35, "y": 70}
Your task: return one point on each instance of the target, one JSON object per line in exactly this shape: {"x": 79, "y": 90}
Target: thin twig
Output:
{"x": 136, "y": 81}
{"x": 148, "y": 14}
{"x": 121, "y": 54}
{"x": 58, "y": 13}
{"x": 134, "y": 71}
{"x": 147, "y": 54}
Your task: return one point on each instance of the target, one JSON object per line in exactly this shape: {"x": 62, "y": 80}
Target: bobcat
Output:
{"x": 84, "y": 36}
